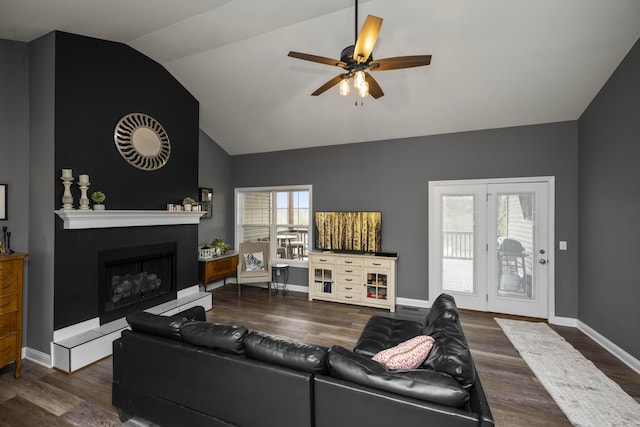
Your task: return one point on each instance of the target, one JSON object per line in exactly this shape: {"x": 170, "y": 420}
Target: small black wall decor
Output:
{"x": 206, "y": 200}
{"x": 3, "y": 202}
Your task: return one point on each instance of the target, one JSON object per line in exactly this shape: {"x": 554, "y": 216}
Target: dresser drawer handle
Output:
{"x": 348, "y": 288}
{"x": 323, "y": 260}
{"x": 348, "y": 262}
{"x": 348, "y": 280}
{"x": 348, "y": 297}
{"x": 348, "y": 271}
{"x": 377, "y": 263}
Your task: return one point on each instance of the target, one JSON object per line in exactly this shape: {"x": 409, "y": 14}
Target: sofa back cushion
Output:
{"x": 382, "y": 332}
{"x": 290, "y": 354}
{"x": 229, "y": 339}
{"x": 420, "y": 384}
{"x": 443, "y": 306}
{"x": 163, "y": 326}
{"x": 450, "y": 352}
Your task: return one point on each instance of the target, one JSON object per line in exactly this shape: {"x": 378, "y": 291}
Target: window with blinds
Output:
{"x": 277, "y": 215}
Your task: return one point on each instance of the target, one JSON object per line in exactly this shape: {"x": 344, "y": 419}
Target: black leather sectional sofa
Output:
{"x": 181, "y": 370}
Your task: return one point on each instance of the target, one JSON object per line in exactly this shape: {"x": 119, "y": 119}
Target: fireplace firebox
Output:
{"x": 135, "y": 278}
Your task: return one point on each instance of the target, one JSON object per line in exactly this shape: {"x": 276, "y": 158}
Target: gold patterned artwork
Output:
{"x": 351, "y": 231}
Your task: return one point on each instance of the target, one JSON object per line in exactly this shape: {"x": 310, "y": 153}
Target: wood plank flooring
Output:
{"x": 48, "y": 397}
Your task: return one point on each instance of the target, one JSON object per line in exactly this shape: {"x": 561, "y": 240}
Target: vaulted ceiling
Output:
{"x": 496, "y": 63}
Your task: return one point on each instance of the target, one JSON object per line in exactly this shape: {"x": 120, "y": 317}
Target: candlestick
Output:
{"x": 83, "y": 179}
{"x": 67, "y": 197}
{"x": 84, "y": 200}
{"x": 67, "y": 173}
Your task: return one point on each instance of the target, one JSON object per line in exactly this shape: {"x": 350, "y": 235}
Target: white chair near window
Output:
{"x": 254, "y": 264}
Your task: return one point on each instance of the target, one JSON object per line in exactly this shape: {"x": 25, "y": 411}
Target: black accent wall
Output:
{"x": 96, "y": 83}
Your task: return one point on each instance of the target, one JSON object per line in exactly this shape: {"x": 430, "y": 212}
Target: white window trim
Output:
{"x": 236, "y": 222}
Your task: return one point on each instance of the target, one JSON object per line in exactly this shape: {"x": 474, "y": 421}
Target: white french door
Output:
{"x": 490, "y": 244}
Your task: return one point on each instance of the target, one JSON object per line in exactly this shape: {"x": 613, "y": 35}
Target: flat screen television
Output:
{"x": 359, "y": 232}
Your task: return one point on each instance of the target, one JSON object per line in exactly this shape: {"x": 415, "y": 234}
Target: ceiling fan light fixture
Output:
{"x": 358, "y": 79}
{"x": 344, "y": 87}
{"x": 363, "y": 90}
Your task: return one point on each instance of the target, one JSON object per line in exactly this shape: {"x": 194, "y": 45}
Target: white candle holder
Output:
{"x": 67, "y": 197}
{"x": 84, "y": 200}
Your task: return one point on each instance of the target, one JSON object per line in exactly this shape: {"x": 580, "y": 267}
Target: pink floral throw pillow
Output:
{"x": 407, "y": 355}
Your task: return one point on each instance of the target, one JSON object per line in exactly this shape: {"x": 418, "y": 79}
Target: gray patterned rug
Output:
{"x": 586, "y": 395}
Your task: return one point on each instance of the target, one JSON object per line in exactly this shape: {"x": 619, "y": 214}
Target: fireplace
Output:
{"x": 135, "y": 278}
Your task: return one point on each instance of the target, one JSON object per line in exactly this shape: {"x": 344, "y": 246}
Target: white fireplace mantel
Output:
{"x": 82, "y": 219}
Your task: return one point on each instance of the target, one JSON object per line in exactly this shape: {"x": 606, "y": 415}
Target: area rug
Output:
{"x": 586, "y": 395}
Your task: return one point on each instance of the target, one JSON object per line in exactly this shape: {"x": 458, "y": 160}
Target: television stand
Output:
{"x": 359, "y": 279}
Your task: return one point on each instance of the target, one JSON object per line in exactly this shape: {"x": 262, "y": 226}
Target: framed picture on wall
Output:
{"x": 3, "y": 201}
{"x": 206, "y": 200}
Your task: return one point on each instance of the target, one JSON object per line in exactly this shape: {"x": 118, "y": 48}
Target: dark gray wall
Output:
{"x": 609, "y": 204}
{"x": 214, "y": 171}
{"x": 14, "y": 149}
{"x": 41, "y": 194}
{"x": 392, "y": 176}
{"x": 14, "y": 138}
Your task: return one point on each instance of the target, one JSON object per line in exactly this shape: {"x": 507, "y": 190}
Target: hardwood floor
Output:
{"x": 48, "y": 397}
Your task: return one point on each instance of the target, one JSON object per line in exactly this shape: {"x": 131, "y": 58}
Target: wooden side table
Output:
{"x": 11, "y": 274}
{"x": 218, "y": 268}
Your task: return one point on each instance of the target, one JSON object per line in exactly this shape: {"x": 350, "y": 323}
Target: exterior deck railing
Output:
{"x": 457, "y": 244}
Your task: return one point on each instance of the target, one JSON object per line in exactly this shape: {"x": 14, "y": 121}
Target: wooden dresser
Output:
{"x": 11, "y": 273}
{"x": 218, "y": 268}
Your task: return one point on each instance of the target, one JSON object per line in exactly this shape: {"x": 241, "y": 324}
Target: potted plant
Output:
{"x": 188, "y": 203}
{"x": 98, "y": 197}
{"x": 219, "y": 246}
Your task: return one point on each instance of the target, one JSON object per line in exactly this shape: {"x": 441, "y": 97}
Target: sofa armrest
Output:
{"x": 479, "y": 404}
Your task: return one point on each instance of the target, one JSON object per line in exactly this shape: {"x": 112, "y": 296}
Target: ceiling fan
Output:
{"x": 357, "y": 59}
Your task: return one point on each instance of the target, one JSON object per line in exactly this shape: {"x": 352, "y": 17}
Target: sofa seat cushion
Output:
{"x": 302, "y": 357}
{"x": 229, "y": 339}
{"x": 450, "y": 353}
{"x": 423, "y": 384}
{"x": 381, "y": 333}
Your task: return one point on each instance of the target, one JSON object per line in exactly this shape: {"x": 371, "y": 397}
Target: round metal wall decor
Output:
{"x": 142, "y": 141}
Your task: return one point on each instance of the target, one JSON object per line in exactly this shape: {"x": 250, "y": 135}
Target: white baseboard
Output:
{"x": 420, "y": 303}
{"x": 37, "y": 356}
{"x": 290, "y": 286}
{"x": 563, "y": 321}
{"x": 612, "y": 348}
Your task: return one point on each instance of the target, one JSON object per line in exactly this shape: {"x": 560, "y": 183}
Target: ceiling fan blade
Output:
{"x": 399, "y": 62}
{"x": 367, "y": 38}
{"x": 374, "y": 88}
{"x": 316, "y": 58}
{"x": 328, "y": 85}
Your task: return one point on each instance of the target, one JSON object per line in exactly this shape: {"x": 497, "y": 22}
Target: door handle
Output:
{"x": 543, "y": 261}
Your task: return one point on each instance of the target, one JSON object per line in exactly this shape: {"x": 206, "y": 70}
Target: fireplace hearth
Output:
{"x": 135, "y": 278}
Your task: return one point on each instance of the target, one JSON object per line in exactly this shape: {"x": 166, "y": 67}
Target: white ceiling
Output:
{"x": 496, "y": 63}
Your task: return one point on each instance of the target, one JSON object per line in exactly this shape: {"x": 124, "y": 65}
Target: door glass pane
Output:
{"x": 458, "y": 243}
{"x": 515, "y": 243}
